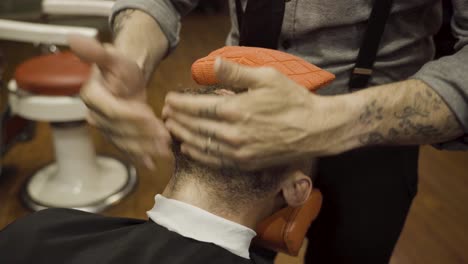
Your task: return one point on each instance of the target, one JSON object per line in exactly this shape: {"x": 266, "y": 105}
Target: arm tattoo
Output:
{"x": 373, "y": 138}
{"x": 120, "y": 20}
{"x": 414, "y": 123}
{"x": 372, "y": 113}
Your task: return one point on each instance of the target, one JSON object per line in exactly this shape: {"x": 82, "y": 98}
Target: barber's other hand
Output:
{"x": 275, "y": 122}
{"x": 116, "y": 97}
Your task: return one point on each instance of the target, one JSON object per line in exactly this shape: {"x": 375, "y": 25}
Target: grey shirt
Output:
{"x": 328, "y": 34}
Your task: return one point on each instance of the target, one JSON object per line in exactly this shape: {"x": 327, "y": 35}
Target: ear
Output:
{"x": 296, "y": 188}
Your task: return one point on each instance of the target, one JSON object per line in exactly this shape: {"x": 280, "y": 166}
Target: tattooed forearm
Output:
{"x": 120, "y": 20}
{"x": 373, "y": 138}
{"x": 372, "y": 113}
{"x": 411, "y": 114}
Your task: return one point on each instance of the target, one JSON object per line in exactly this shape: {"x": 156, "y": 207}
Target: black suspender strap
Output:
{"x": 362, "y": 70}
{"x": 260, "y": 24}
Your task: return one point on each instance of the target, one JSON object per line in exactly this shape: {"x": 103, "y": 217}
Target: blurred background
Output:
{"x": 437, "y": 228}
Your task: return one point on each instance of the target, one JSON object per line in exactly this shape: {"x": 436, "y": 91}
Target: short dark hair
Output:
{"x": 230, "y": 184}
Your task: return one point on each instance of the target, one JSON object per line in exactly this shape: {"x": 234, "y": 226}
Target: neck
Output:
{"x": 199, "y": 195}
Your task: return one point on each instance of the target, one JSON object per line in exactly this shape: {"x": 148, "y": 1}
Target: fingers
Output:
{"x": 125, "y": 72}
{"x": 90, "y": 50}
{"x": 207, "y": 128}
{"x": 209, "y": 145}
{"x": 141, "y": 126}
{"x": 98, "y": 99}
{"x": 130, "y": 125}
{"x": 141, "y": 149}
{"x": 204, "y": 106}
{"x": 112, "y": 82}
{"x": 136, "y": 148}
{"x": 219, "y": 160}
{"x": 121, "y": 75}
{"x": 239, "y": 76}
{"x": 210, "y": 160}
{"x": 135, "y": 154}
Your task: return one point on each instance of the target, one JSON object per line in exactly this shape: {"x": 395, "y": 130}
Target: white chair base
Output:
{"x": 78, "y": 179}
{"x": 112, "y": 182}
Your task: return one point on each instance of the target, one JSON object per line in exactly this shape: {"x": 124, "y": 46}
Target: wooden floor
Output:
{"x": 437, "y": 228}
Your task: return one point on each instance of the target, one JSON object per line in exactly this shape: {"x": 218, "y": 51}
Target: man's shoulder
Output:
{"x": 62, "y": 216}
{"x": 58, "y": 221}
{"x": 94, "y": 238}
{"x": 63, "y": 231}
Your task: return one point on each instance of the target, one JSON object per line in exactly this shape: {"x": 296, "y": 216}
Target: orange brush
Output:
{"x": 297, "y": 69}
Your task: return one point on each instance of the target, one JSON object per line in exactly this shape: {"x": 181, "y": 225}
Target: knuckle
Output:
{"x": 187, "y": 137}
{"x": 230, "y": 111}
{"x": 234, "y": 139}
{"x": 269, "y": 72}
{"x": 188, "y": 152}
{"x": 85, "y": 95}
{"x": 242, "y": 155}
{"x": 235, "y": 73}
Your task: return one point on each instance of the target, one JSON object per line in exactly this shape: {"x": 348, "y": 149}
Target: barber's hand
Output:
{"x": 275, "y": 122}
{"x": 116, "y": 97}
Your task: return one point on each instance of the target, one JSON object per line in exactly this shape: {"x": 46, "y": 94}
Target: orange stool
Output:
{"x": 46, "y": 88}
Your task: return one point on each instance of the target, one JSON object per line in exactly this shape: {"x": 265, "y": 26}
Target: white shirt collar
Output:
{"x": 195, "y": 223}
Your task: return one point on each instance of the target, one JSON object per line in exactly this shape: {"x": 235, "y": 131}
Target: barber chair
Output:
{"x": 12, "y": 129}
{"x": 77, "y": 7}
{"x": 46, "y": 88}
{"x": 285, "y": 230}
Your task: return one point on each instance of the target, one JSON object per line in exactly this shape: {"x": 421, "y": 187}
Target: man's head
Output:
{"x": 235, "y": 189}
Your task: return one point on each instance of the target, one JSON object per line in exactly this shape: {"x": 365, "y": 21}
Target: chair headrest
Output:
{"x": 285, "y": 230}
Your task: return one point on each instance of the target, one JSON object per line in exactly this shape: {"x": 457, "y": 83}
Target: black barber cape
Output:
{"x": 55, "y": 236}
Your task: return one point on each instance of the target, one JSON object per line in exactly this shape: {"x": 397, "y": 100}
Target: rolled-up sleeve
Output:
{"x": 167, "y": 14}
{"x": 448, "y": 76}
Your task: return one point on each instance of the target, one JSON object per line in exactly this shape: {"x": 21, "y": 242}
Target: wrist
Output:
{"x": 351, "y": 130}
{"x": 139, "y": 38}
{"x": 337, "y": 130}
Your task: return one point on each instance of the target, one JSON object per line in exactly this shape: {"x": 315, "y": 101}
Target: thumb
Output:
{"x": 90, "y": 50}
{"x": 235, "y": 75}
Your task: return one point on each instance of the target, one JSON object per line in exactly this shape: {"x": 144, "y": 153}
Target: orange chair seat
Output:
{"x": 60, "y": 74}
